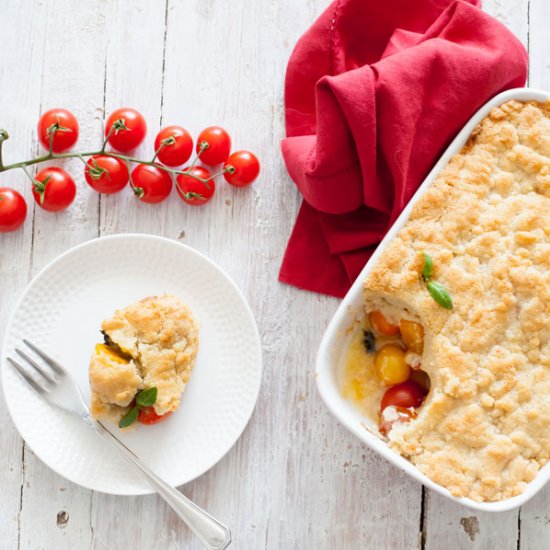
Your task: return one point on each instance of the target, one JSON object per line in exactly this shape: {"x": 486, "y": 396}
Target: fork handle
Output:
{"x": 213, "y": 534}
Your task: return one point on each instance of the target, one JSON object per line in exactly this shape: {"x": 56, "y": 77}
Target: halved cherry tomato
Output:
{"x": 63, "y": 125}
{"x": 194, "y": 191}
{"x": 390, "y": 365}
{"x": 151, "y": 184}
{"x": 129, "y": 129}
{"x": 147, "y": 415}
{"x": 412, "y": 334}
{"x": 241, "y": 168}
{"x": 53, "y": 189}
{"x": 407, "y": 394}
{"x": 106, "y": 174}
{"x": 13, "y": 210}
{"x": 382, "y": 325}
{"x": 178, "y": 145}
{"x": 217, "y": 143}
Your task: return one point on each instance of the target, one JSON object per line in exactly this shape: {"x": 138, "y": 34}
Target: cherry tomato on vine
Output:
{"x": 106, "y": 174}
{"x": 13, "y": 210}
{"x": 129, "y": 129}
{"x": 151, "y": 184}
{"x": 147, "y": 415}
{"x": 215, "y": 144}
{"x": 193, "y": 191}
{"x": 64, "y": 126}
{"x": 241, "y": 168}
{"x": 178, "y": 145}
{"x": 406, "y": 395}
{"x": 53, "y": 189}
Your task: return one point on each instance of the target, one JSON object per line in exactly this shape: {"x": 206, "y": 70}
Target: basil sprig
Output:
{"x": 145, "y": 398}
{"x": 428, "y": 267}
{"x": 440, "y": 294}
{"x": 437, "y": 291}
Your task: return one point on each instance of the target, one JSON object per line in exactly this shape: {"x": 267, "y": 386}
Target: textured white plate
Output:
{"x": 336, "y": 339}
{"x": 62, "y": 309}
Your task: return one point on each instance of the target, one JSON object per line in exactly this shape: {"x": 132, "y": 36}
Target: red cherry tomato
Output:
{"x": 147, "y": 415}
{"x": 178, "y": 145}
{"x": 13, "y": 210}
{"x": 194, "y": 191}
{"x": 241, "y": 168}
{"x": 106, "y": 174}
{"x": 130, "y": 129}
{"x": 65, "y": 127}
{"x": 53, "y": 189}
{"x": 406, "y": 395}
{"x": 151, "y": 184}
{"x": 216, "y": 143}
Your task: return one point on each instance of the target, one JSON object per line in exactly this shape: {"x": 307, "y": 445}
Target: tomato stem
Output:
{"x": 138, "y": 191}
{"x": 32, "y": 180}
{"x": 59, "y": 156}
{"x": 202, "y": 147}
{"x": 220, "y": 173}
{"x": 3, "y": 137}
{"x": 52, "y": 130}
{"x": 109, "y": 133}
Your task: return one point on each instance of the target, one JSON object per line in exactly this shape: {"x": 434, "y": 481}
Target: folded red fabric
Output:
{"x": 374, "y": 93}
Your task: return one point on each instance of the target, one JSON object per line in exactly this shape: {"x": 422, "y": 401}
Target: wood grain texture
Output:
{"x": 534, "y": 517}
{"x": 19, "y": 106}
{"x": 295, "y": 479}
{"x": 54, "y": 512}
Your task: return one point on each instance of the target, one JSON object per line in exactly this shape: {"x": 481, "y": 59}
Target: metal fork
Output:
{"x": 56, "y": 385}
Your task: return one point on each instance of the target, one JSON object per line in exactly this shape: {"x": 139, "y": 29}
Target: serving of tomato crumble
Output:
{"x": 144, "y": 364}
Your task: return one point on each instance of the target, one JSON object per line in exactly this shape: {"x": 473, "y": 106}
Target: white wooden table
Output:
{"x": 295, "y": 479}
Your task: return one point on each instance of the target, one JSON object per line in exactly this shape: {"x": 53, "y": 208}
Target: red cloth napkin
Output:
{"x": 375, "y": 91}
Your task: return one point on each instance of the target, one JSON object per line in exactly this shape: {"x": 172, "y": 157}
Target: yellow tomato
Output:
{"x": 390, "y": 365}
{"x": 412, "y": 334}
{"x": 381, "y": 324}
{"x": 110, "y": 353}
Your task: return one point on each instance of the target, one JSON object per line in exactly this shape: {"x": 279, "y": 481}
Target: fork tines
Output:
{"x": 38, "y": 383}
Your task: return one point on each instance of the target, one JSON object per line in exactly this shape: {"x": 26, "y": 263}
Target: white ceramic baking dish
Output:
{"x": 335, "y": 342}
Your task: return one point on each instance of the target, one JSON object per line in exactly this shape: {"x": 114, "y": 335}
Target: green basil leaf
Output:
{"x": 147, "y": 397}
{"x": 428, "y": 267}
{"x": 440, "y": 295}
{"x": 129, "y": 418}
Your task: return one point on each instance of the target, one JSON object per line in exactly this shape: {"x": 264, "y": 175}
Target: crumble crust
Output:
{"x": 483, "y": 430}
{"x": 156, "y": 342}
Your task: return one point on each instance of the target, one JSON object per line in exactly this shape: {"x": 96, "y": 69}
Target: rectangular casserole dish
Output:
{"x": 335, "y": 342}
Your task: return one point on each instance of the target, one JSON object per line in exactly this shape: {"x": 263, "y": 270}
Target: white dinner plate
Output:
{"x": 61, "y": 311}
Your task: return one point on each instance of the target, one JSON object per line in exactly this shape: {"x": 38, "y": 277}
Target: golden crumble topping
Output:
{"x": 482, "y": 431}
{"x": 151, "y": 343}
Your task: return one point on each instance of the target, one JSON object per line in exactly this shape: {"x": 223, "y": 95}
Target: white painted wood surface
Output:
{"x": 295, "y": 479}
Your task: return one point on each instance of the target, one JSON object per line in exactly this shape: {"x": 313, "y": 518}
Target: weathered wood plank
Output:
{"x": 297, "y": 481}
{"x": 134, "y": 76}
{"x": 56, "y": 513}
{"x": 19, "y": 107}
{"x": 535, "y": 515}
{"x": 452, "y": 526}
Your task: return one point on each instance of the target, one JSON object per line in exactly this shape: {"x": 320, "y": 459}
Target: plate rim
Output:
{"x": 132, "y": 236}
